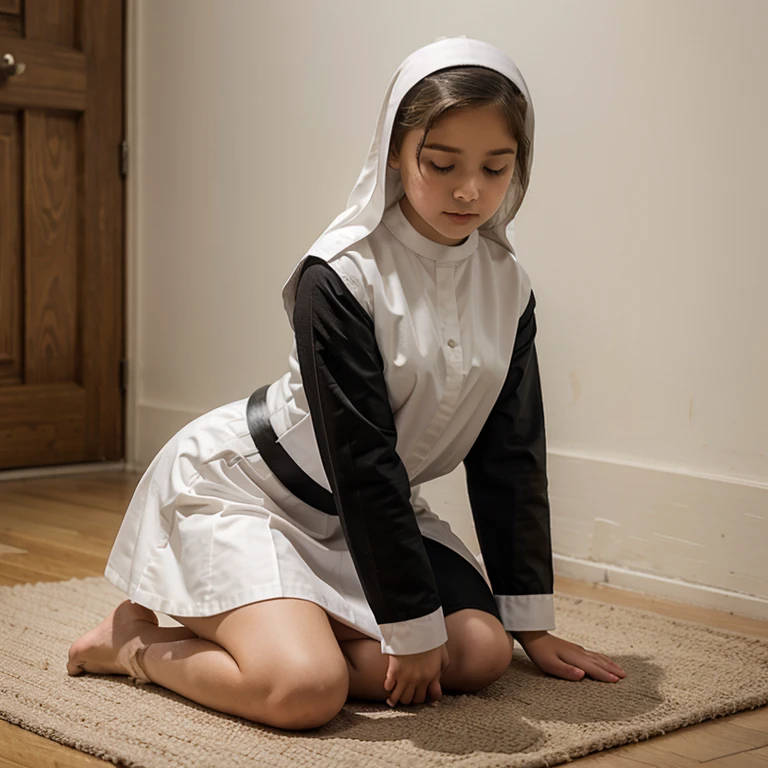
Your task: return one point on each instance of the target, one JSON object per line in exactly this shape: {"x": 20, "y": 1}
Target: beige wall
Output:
{"x": 642, "y": 232}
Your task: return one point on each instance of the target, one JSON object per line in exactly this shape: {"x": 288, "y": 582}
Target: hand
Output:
{"x": 412, "y": 676}
{"x": 561, "y": 658}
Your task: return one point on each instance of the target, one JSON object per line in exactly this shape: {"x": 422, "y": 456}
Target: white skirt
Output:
{"x": 210, "y": 528}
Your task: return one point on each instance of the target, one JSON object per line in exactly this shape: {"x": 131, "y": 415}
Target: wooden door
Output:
{"x": 61, "y": 232}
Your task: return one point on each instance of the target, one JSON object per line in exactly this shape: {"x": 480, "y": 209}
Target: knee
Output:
{"x": 483, "y": 661}
{"x": 309, "y": 698}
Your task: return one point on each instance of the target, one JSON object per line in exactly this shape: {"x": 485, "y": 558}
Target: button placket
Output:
{"x": 448, "y": 314}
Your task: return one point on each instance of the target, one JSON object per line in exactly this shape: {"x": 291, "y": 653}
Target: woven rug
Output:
{"x": 678, "y": 673}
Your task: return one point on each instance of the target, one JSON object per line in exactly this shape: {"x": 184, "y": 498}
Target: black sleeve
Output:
{"x": 343, "y": 375}
{"x": 507, "y": 478}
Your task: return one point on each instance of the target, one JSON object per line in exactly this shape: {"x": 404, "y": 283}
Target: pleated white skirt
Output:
{"x": 210, "y": 528}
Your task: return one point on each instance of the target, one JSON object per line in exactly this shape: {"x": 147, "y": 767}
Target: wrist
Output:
{"x": 525, "y": 636}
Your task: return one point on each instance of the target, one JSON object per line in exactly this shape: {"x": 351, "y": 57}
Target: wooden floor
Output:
{"x": 63, "y": 527}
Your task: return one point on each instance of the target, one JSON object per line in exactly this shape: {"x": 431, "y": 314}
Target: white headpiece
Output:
{"x": 379, "y": 186}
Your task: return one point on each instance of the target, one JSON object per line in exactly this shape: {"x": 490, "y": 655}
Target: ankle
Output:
{"x": 137, "y": 670}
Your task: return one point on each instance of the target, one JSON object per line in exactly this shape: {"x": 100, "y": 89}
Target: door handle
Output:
{"x": 9, "y": 67}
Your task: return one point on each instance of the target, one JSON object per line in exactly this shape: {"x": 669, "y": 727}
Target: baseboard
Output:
{"x": 655, "y": 586}
{"x": 662, "y": 587}
{"x": 61, "y": 469}
{"x": 693, "y": 538}
{"x": 661, "y": 531}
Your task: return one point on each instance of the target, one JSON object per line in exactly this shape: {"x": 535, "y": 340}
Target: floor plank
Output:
{"x": 711, "y": 739}
{"x": 30, "y": 750}
{"x": 757, "y": 719}
{"x": 643, "y": 754}
{"x": 740, "y": 760}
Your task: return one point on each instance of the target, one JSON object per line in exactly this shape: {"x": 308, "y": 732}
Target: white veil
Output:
{"x": 379, "y": 186}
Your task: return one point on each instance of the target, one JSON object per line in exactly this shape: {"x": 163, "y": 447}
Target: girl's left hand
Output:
{"x": 570, "y": 661}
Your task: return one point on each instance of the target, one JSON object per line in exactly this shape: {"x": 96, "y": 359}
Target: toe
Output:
{"x": 74, "y": 660}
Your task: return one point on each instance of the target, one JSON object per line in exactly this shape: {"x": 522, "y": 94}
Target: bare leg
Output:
{"x": 367, "y": 669}
{"x": 129, "y": 642}
{"x": 467, "y": 672}
{"x": 289, "y": 670}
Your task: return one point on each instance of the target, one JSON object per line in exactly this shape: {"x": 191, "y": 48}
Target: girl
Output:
{"x": 285, "y": 532}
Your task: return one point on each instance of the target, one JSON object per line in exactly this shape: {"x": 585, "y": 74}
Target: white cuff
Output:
{"x": 414, "y": 635}
{"x": 524, "y": 613}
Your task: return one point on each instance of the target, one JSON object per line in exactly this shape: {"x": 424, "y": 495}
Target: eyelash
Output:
{"x": 440, "y": 169}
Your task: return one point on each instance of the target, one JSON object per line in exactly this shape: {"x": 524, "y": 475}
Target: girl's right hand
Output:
{"x": 412, "y": 676}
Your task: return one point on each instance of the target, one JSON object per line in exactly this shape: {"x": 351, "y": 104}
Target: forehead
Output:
{"x": 471, "y": 127}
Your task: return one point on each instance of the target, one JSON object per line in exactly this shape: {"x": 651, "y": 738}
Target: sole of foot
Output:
{"x": 111, "y": 647}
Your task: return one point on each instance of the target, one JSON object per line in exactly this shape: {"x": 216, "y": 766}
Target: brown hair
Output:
{"x": 456, "y": 88}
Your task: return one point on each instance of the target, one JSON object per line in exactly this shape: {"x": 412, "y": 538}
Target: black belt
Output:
{"x": 287, "y": 471}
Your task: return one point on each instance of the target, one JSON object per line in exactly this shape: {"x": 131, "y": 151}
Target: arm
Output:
{"x": 507, "y": 485}
{"x": 346, "y": 391}
{"x": 507, "y": 481}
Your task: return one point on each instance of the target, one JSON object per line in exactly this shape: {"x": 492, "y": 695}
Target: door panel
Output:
{"x": 61, "y": 233}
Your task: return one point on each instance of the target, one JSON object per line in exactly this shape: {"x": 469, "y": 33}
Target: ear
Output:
{"x": 393, "y": 161}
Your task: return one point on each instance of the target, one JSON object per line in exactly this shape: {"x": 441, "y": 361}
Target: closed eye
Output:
{"x": 441, "y": 169}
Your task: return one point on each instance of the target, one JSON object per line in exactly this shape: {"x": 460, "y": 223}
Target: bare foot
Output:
{"x": 116, "y": 645}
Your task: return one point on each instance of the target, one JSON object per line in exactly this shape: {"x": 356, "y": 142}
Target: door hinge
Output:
{"x": 124, "y": 158}
{"x": 123, "y": 375}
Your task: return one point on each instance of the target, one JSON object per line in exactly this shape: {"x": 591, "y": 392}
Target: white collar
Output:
{"x": 396, "y": 222}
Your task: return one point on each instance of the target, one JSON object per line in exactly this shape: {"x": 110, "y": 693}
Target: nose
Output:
{"x": 468, "y": 191}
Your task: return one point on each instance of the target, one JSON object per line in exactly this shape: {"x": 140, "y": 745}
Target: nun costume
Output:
{"x": 409, "y": 357}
